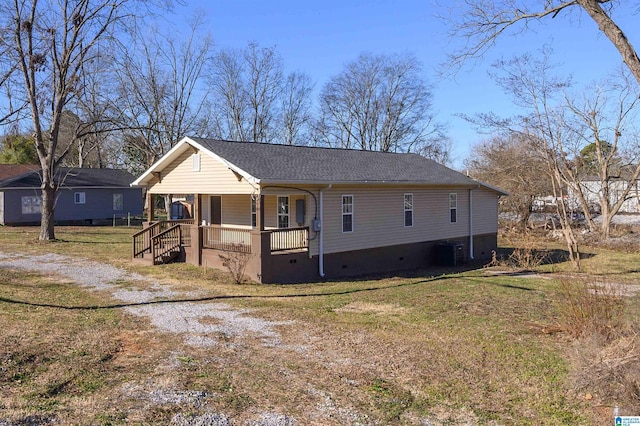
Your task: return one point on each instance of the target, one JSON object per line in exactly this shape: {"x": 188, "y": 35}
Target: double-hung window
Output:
{"x": 283, "y": 212}
{"x": 79, "y": 198}
{"x": 31, "y": 204}
{"x": 118, "y": 203}
{"x": 408, "y": 210}
{"x": 453, "y": 208}
{"x": 347, "y": 213}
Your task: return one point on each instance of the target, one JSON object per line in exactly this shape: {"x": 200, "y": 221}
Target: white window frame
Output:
{"x": 287, "y": 214}
{"x": 408, "y": 209}
{"x": 254, "y": 212}
{"x": 80, "y": 198}
{"x": 31, "y": 204}
{"x": 195, "y": 162}
{"x": 453, "y": 207}
{"x": 348, "y": 213}
{"x": 120, "y": 206}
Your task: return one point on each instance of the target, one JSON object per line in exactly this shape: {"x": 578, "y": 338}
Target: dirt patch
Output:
{"x": 371, "y": 308}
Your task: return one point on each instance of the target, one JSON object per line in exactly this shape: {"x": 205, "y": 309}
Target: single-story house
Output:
{"x": 298, "y": 213}
{"x": 84, "y": 195}
{"x": 303, "y": 213}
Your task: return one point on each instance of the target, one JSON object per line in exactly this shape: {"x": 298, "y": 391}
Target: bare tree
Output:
{"x": 378, "y": 103}
{"x": 560, "y": 130}
{"x": 296, "y": 107}
{"x": 543, "y": 126}
{"x": 49, "y": 43}
{"x": 163, "y": 97}
{"x": 230, "y": 96}
{"x": 84, "y": 138}
{"x": 98, "y": 116}
{"x": 604, "y": 120}
{"x": 254, "y": 100}
{"x": 13, "y": 109}
{"x": 481, "y": 22}
{"x": 265, "y": 78}
{"x": 509, "y": 162}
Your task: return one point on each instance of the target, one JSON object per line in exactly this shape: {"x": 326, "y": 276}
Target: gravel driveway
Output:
{"x": 175, "y": 317}
{"x": 183, "y": 318}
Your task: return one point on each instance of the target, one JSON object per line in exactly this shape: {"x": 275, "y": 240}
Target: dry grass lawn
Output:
{"x": 469, "y": 348}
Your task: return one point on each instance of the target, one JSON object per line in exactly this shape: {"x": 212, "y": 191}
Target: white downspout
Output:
{"x": 321, "y": 241}
{"x": 471, "y": 256}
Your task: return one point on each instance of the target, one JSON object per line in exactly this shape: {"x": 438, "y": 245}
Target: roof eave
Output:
{"x": 147, "y": 175}
{"x": 363, "y": 182}
{"x": 144, "y": 179}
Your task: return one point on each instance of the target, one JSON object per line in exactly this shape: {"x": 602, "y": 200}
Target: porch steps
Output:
{"x": 170, "y": 257}
{"x": 146, "y": 259}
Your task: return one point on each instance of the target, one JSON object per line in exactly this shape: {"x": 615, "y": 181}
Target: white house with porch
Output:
{"x": 308, "y": 213}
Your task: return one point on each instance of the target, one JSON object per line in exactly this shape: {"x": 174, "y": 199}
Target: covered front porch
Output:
{"x": 271, "y": 233}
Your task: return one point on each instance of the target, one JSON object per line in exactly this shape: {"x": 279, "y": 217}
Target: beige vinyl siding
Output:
{"x": 271, "y": 211}
{"x": 485, "y": 212}
{"x": 236, "y": 210}
{"x": 379, "y": 217}
{"x": 205, "y": 208}
{"x": 213, "y": 178}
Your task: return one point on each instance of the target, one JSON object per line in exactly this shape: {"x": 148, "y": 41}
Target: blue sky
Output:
{"x": 318, "y": 38}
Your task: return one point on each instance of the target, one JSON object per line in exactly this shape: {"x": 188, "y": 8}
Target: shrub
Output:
{"x": 589, "y": 306}
{"x": 236, "y": 262}
{"x": 526, "y": 253}
{"x": 608, "y": 369}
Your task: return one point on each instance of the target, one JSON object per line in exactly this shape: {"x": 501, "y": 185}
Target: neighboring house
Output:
{"x": 12, "y": 170}
{"x": 592, "y": 190}
{"x": 84, "y": 195}
{"x": 302, "y": 213}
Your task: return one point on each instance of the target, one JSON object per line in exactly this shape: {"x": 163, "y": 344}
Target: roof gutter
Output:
{"x": 321, "y": 239}
{"x": 369, "y": 182}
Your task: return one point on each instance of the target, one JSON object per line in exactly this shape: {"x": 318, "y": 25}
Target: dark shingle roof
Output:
{"x": 269, "y": 162}
{"x": 73, "y": 178}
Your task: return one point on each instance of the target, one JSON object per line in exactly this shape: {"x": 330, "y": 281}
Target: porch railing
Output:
{"x": 289, "y": 239}
{"x": 185, "y": 234}
{"x": 166, "y": 224}
{"x": 142, "y": 239}
{"x": 166, "y": 245}
{"x": 223, "y": 238}
{"x": 165, "y": 239}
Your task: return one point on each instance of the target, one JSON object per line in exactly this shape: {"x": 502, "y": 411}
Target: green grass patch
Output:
{"x": 393, "y": 350}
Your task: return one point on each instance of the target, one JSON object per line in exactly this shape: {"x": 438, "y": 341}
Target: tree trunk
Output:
{"x": 47, "y": 232}
{"x": 574, "y": 250}
{"x": 81, "y": 154}
{"x": 563, "y": 214}
{"x": 613, "y": 33}
{"x": 606, "y": 221}
{"x": 168, "y": 199}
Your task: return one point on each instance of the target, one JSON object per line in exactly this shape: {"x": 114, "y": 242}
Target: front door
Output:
{"x": 216, "y": 210}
